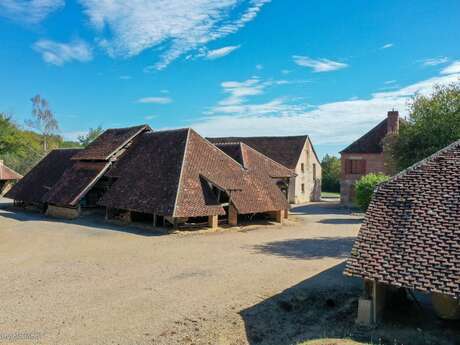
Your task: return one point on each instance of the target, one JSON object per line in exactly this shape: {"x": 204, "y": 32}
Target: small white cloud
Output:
{"x": 259, "y": 67}
{"x": 318, "y": 65}
{"x": 31, "y": 12}
{"x": 388, "y": 82}
{"x": 125, "y": 77}
{"x": 155, "y": 100}
{"x": 285, "y": 71}
{"x": 164, "y": 91}
{"x": 150, "y": 117}
{"x": 435, "y": 61}
{"x": 452, "y": 68}
{"x": 386, "y": 46}
{"x": 219, "y": 53}
{"x": 56, "y": 53}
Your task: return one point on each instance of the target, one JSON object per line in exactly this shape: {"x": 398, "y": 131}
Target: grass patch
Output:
{"x": 330, "y": 195}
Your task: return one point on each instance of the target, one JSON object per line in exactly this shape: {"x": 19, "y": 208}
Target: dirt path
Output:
{"x": 86, "y": 282}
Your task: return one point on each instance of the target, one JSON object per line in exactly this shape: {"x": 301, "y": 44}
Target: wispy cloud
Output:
{"x": 318, "y": 65}
{"x": 386, "y": 46}
{"x": 217, "y": 53}
{"x": 177, "y": 26}
{"x": 288, "y": 116}
{"x": 150, "y": 117}
{"x": 31, "y": 12}
{"x": 155, "y": 100}
{"x": 434, "y": 61}
{"x": 452, "y": 68}
{"x": 57, "y": 53}
{"x": 388, "y": 82}
{"x": 125, "y": 77}
{"x": 259, "y": 67}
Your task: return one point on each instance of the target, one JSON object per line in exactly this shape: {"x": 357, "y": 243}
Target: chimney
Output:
{"x": 393, "y": 122}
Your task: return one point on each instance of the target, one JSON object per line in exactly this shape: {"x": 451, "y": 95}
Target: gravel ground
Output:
{"x": 87, "y": 282}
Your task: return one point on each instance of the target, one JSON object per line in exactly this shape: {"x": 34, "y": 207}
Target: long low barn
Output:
{"x": 166, "y": 177}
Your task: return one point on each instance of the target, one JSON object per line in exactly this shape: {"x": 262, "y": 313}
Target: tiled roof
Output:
{"x": 372, "y": 141}
{"x": 34, "y": 186}
{"x": 74, "y": 182}
{"x": 181, "y": 163}
{"x": 284, "y": 150}
{"x": 7, "y": 173}
{"x": 109, "y": 143}
{"x": 254, "y": 160}
{"x": 411, "y": 233}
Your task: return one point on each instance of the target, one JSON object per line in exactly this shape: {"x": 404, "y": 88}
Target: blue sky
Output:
{"x": 330, "y": 69}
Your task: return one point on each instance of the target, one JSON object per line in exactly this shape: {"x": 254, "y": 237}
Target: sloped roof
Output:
{"x": 251, "y": 159}
{"x": 168, "y": 172}
{"x": 148, "y": 173}
{"x": 34, "y": 185}
{"x": 7, "y": 173}
{"x": 372, "y": 141}
{"x": 284, "y": 150}
{"x": 74, "y": 182}
{"x": 109, "y": 142}
{"x": 410, "y": 235}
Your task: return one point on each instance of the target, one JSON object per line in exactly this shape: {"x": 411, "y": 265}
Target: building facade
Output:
{"x": 365, "y": 156}
{"x": 294, "y": 152}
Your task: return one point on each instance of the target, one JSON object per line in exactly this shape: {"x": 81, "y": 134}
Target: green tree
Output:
{"x": 43, "y": 119}
{"x": 93, "y": 133}
{"x": 10, "y": 138}
{"x": 434, "y": 122}
{"x": 365, "y": 187}
{"x": 330, "y": 166}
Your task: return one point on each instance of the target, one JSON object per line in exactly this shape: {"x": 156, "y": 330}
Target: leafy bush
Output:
{"x": 330, "y": 166}
{"x": 365, "y": 187}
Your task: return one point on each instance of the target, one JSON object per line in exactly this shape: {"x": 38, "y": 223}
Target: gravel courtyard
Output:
{"x": 88, "y": 282}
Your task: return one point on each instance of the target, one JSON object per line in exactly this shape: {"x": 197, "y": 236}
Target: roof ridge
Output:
{"x": 273, "y": 161}
{"x": 181, "y": 171}
{"x": 428, "y": 159}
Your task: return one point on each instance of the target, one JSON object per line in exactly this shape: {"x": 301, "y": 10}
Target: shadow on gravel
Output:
{"x": 341, "y": 221}
{"x": 320, "y": 208}
{"x": 309, "y": 248}
{"x": 325, "y": 306}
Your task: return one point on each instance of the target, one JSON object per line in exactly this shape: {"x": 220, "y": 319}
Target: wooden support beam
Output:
{"x": 213, "y": 222}
{"x": 232, "y": 215}
{"x": 279, "y": 216}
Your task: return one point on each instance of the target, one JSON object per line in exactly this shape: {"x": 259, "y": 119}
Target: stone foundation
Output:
{"x": 62, "y": 212}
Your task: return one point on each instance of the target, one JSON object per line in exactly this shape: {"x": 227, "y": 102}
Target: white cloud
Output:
{"x": 286, "y": 116}
{"x": 218, "y": 53}
{"x": 155, "y": 100}
{"x": 259, "y": 67}
{"x": 388, "y": 82}
{"x": 285, "y": 71}
{"x": 452, "y": 68}
{"x": 32, "y": 11}
{"x": 150, "y": 117}
{"x": 386, "y": 46}
{"x": 318, "y": 65}
{"x": 434, "y": 61}
{"x": 125, "y": 77}
{"x": 56, "y": 53}
{"x": 175, "y": 26}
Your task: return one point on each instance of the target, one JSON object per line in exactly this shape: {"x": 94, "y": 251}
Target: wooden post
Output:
{"x": 286, "y": 214}
{"x": 279, "y": 216}
{"x": 232, "y": 215}
{"x": 213, "y": 222}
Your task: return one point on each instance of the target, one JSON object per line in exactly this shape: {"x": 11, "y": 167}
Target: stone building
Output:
{"x": 366, "y": 155}
{"x": 294, "y": 152}
{"x": 410, "y": 237}
{"x": 138, "y": 175}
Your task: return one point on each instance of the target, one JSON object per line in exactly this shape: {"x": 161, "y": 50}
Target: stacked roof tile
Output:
{"x": 411, "y": 233}
{"x": 284, "y": 150}
{"x": 7, "y": 173}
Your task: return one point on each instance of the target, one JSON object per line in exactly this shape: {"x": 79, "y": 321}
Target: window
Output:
{"x": 355, "y": 166}
{"x": 303, "y": 188}
{"x": 302, "y": 167}
{"x": 314, "y": 172}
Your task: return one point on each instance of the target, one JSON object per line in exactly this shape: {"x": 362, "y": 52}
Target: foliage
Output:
{"x": 22, "y": 149}
{"x": 365, "y": 187}
{"x": 43, "y": 119}
{"x": 434, "y": 122}
{"x": 330, "y": 166}
{"x": 93, "y": 133}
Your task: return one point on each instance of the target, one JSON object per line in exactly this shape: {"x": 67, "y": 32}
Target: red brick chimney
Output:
{"x": 393, "y": 122}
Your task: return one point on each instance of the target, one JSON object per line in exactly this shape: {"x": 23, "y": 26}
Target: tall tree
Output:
{"x": 10, "y": 138}
{"x": 93, "y": 133}
{"x": 330, "y": 166}
{"x": 434, "y": 122}
{"x": 43, "y": 119}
